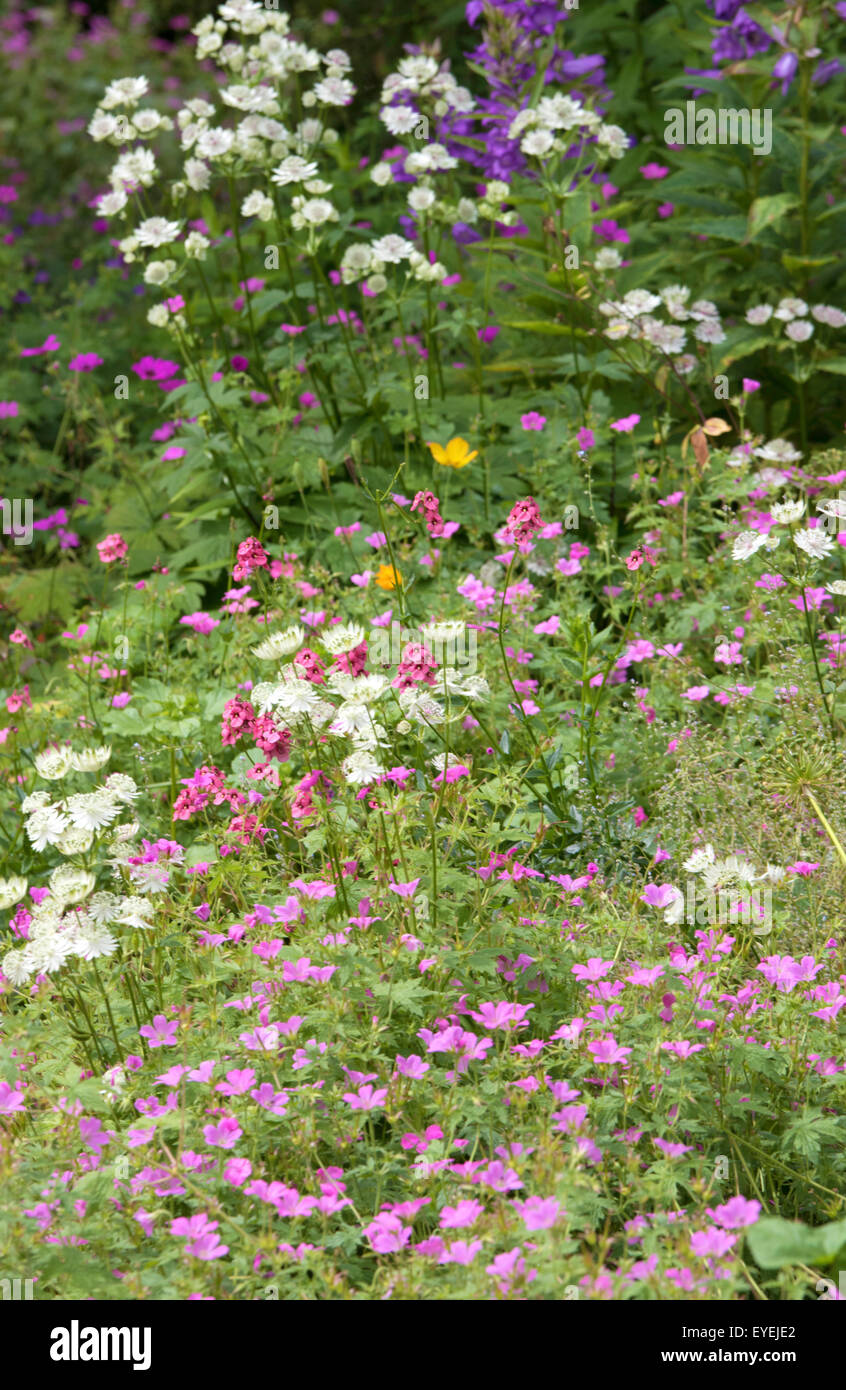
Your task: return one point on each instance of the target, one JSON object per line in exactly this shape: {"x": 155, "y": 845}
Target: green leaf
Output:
{"x": 769, "y": 212}
{"x": 775, "y": 1242}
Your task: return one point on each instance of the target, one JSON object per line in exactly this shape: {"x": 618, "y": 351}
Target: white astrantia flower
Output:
{"x": 816, "y": 544}
{"x": 126, "y": 831}
{"x": 355, "y": 262}
{"x": 334, "y": 91}
{"x": 699, "y": 860}
{"x": 102, "y": 126}
{"x": 537, "y": 143}
{"x": 362, "y": 766}
{"x": 786, "y": 512}
{"x": 312, "y": 212}
{"x": 50, "y": 952}
{"x": 156, "y": 231}
{"x": 258, "y": 204}
{"x": 613, "y": 139}
{"x": 778, "y": 451}
{"x": 344, "y": 637}
{"x": 429, "y": 272}
{"x": 773, "y": 873}
{"x": 54, "y": 763}
{"x": 399, "y": 120}
{"x": 355, "y": 720}
{"x": 158, "y": 272}
{"x": 125, "y": 91}
{"x": 17, "y": 966}
{"x": 197, "y": 175}
{"x": 146, "y": 121}
{"x": 444, "y": 631}
{"x": 102, "y": 908}
{"x": 135, "y": 912}
{"x": 196, "y": 245}
{"x": 134, "y": 166}
{"x": 121, "y": 787}
{"x": 418, "y": 703}
{"x": 36, "y": 801}
{"x": 471, "y": 687}
{"x": 788, "y": 309}
{"x": 90, "y": 759}
{"x": 746, "y": 544}
{"x": 420, "y": 199}
{"x": 71, "y": 885}
{"x": 391, "y": 249}
{"x": 294, "y": 169}
{"x": 11, "y": 892}
{"x": 363, "y": 689}
{"x": 94, "y": 942}
{"x": 709, "y": 331}
{"x": 606, "y": 258}
{"x": 294, "y": 698}
{"x": 92, "y": 810}
{"x": 381, "y": 173}
{"x": 825, "y": 313}
{"x": 761, "y": 313}
{"x": 111, "y": 203}
{"x": 280, "y": 644}
{"x": 799, "y": 331}
{"x": 837, "y": 586}
{"x": 46, "y": 826}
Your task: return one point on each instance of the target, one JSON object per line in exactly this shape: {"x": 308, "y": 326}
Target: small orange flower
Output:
{"x": 457, "y": 453}
{"x": 387, "y": 577}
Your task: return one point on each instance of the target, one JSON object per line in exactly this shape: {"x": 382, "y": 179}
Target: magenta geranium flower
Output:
{"x": 8, "y": 409}
{"x": 532, "y": 420}
{"x": 659, "y": 894}
{"x": 224, "y": 1135}
{"x": 160, "y": 1033}
{"x": 85, "y": 362}
{"x": 626, "y": 424}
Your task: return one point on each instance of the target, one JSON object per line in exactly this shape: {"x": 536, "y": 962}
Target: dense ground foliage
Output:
{"x": 422, "y": 588}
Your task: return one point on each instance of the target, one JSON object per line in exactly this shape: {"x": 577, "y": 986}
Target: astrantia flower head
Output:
{"x": 342, "y": 638}
{"x": 54, "y": 763}
{"x": 280, "y": 644}
{"x": 71, "y": 885}
{"x": 816, "y": 544}
{"x": 156, "y": 231}
{"x": 784, "y": 513}
{"x": 11, "y": 892}
{"x": 747, "y": 543}
{"x": 92, "y": 810}
{"x": 121, "y": 787}
{"x": 90, "y": 759}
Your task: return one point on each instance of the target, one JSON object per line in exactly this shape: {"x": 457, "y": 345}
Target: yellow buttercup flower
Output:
{"x": 457, "y": 453}
{"x": 387, "y": 577}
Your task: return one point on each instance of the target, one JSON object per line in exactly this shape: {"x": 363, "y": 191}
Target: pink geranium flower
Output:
{"x": 85, "y": 362}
